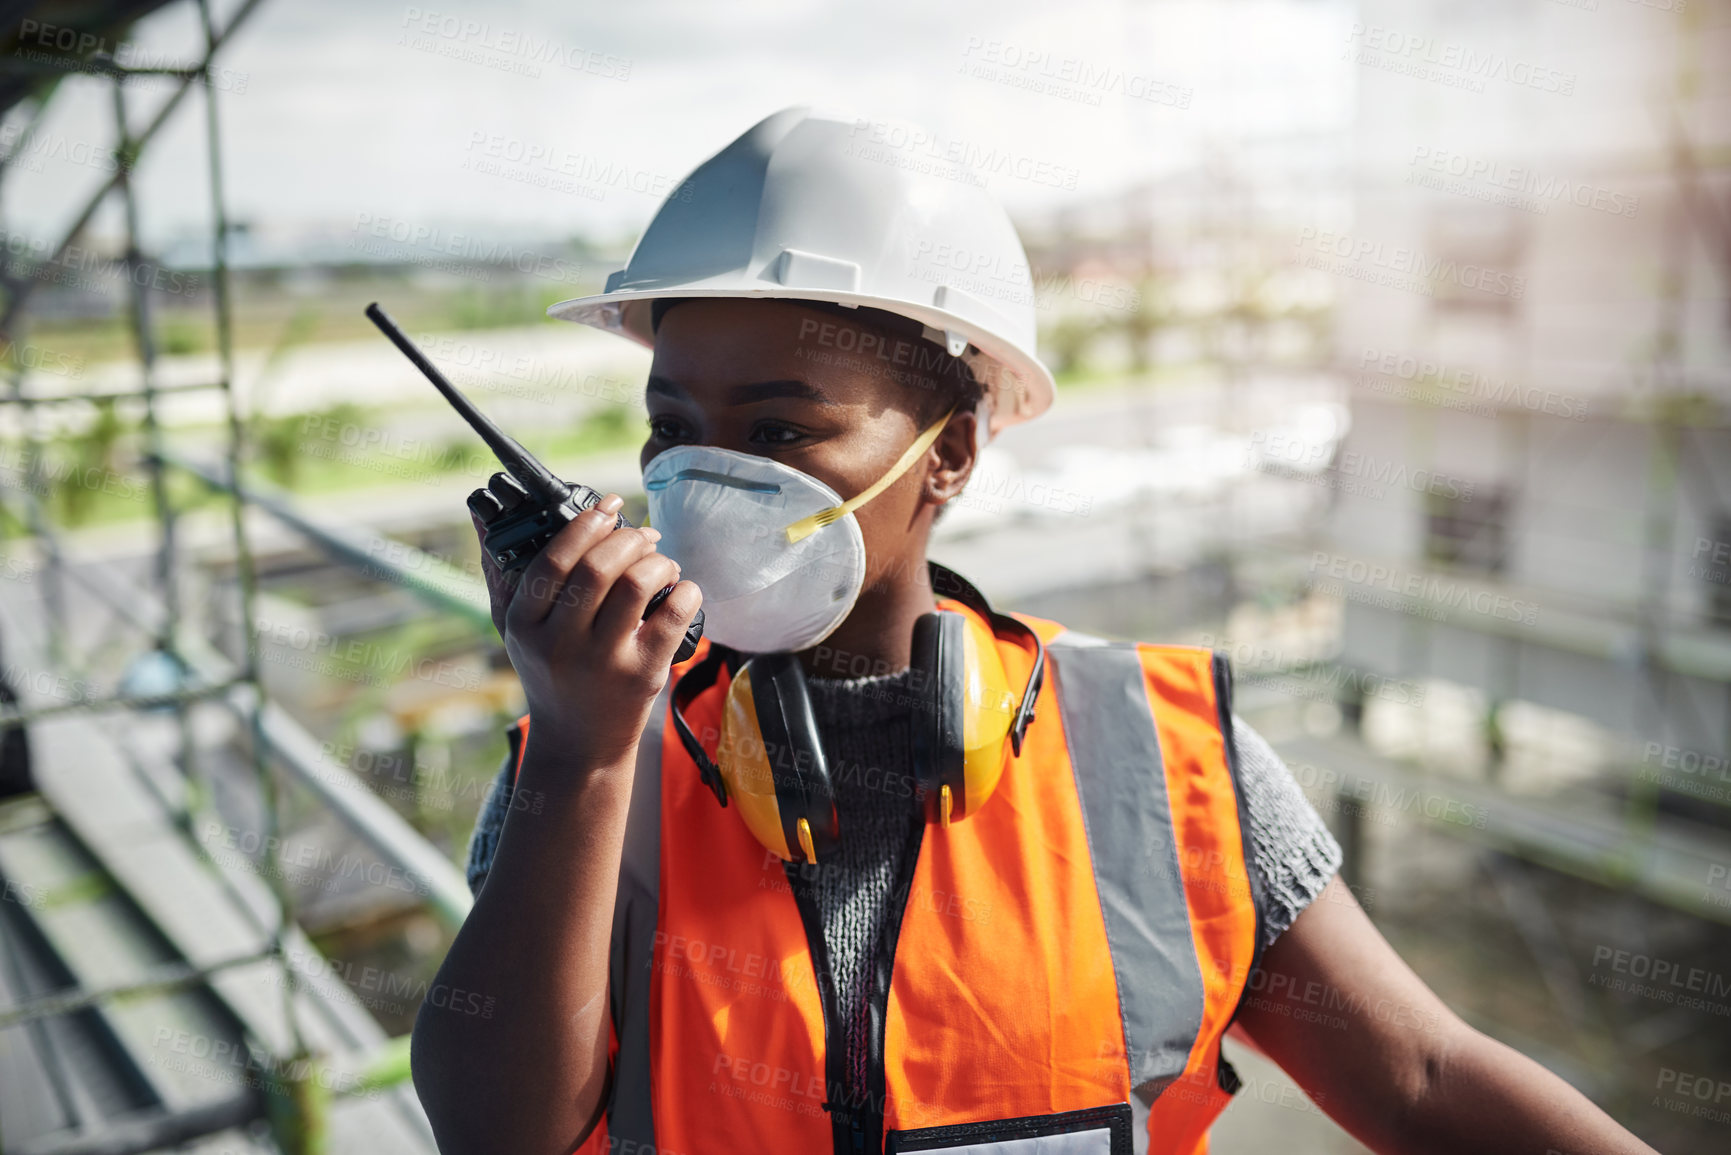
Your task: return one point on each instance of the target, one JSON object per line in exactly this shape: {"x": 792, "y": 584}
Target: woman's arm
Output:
{"x": 512, "y": 1053}
{"x": 1394, "y": 1065}
{"x": 530, "y": 1073}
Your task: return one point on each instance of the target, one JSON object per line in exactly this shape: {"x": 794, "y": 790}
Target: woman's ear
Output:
{"x": 956, "y": 452}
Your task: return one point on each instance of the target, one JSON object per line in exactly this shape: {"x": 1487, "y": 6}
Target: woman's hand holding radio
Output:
{"x": 541, "y": 928}
{"x": 573, "y": 626}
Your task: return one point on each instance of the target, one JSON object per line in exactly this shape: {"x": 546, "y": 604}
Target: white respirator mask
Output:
{"x": 777, "y": 553}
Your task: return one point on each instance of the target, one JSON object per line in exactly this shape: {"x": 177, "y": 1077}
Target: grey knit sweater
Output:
{"x": 868, "y": 745}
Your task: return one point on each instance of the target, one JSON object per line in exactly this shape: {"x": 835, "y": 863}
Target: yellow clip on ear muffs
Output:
{"x": 960, "y": 726}
{"x": 770, "y": 757}
{"x": 772, "y": 762}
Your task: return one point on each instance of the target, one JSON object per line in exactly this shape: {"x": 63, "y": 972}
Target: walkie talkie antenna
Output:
{"x": 522, "y": 465}
{"x": 521, "y": 512}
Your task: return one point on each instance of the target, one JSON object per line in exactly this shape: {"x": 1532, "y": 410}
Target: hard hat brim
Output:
{"x": 1022, "y": 388}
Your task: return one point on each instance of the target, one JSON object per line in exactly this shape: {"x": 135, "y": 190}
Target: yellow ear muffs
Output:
{"x": 988, "y": 710}
{"x": 965, "y": 714}
{"x": 967, "y": 727}
{"x": 772, "y": 761}
{"x": 745, "y": 767}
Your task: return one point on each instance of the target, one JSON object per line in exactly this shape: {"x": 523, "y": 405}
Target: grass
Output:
{"x": 84, "y": 484}
{"x": 264, "y": 313}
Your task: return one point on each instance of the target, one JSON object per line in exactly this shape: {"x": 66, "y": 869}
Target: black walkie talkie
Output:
{"x": 523, "y": 508}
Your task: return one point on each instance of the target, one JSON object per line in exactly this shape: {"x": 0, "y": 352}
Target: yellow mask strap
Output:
{"x": 806, "y": 526}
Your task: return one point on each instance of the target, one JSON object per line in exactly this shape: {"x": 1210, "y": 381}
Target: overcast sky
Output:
{"x": 337, "y": 108}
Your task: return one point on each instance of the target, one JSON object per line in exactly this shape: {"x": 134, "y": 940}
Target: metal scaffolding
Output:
{"x": 293, "y": 1103}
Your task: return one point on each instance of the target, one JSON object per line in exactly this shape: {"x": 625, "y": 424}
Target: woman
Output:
{"x": 764, "y": 904}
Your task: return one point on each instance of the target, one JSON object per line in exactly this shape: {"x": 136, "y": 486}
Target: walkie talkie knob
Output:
{"x": 508, "y": 490}
{"x": 485, "y": 504}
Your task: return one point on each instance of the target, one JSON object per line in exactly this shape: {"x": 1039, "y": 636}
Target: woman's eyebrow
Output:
{"x": 764, "y": 390}
{"x": 664, "y": 386}
{"x": 747, "y": 394}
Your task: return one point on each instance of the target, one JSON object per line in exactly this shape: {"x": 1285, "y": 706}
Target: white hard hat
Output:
{"x": 811, "y": 207}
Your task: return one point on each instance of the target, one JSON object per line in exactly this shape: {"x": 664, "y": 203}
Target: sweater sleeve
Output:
{"x": 1291, "y": 850}
{"x": 484, "y": 841}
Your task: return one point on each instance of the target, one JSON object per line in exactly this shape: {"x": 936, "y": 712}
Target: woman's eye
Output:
{"x": 664, "y": 428}
{"x": 770, "y": 433}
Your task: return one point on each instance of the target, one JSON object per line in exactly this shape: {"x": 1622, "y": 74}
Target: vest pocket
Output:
{"x": 1095, "y": 1131}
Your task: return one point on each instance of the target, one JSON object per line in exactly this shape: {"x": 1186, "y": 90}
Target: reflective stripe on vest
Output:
{"x": 1067, "y": 958}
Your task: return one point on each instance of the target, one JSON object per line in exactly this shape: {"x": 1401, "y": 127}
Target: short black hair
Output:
{"x": 948, "y": 381}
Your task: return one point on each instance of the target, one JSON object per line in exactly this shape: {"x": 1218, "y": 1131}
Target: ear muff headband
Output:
{"x": 936, "y": 655}
{"x": 696, "y": 680}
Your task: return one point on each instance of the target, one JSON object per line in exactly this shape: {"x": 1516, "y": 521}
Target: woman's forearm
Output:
{"x": 515, "y": 1058}
{"x": 1483, "y": 1096}
{"x": 1403, "y": 1073}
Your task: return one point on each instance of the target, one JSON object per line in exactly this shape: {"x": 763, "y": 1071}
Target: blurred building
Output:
{"x": 1534, "y": 499}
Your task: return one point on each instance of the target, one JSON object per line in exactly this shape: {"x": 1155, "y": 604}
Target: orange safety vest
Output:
{"x": 1065, "y": 963}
